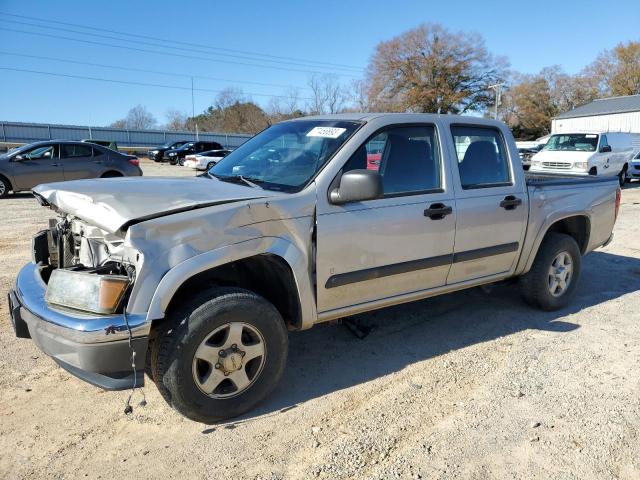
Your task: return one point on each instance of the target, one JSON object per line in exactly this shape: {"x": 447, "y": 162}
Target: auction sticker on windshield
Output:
{"x": 326, "y": 132}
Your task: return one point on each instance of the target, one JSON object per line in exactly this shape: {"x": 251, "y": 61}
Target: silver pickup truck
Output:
{"x": 197, "y": 281}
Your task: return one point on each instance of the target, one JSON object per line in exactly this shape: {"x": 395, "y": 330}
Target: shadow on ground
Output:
{"x": 328, "y": 358}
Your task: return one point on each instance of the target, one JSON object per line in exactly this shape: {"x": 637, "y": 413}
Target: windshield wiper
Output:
{"x": 252, "y": 182}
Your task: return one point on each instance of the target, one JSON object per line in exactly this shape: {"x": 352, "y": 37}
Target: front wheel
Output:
{"x": 4, "y": 187}
{"x": 220, "y": 354}
{"x": 622, "y": 177}
{"x": 553, "y": 278}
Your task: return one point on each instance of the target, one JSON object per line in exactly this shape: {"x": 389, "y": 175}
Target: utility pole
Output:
{"x": 193, "y": 109}
{"x": 498, "y": 89}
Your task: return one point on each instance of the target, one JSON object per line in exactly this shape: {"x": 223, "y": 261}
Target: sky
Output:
{"x": 264, "y": 48}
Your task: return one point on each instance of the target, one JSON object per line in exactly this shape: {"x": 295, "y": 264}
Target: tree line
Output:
{"x": 428, "y": 69}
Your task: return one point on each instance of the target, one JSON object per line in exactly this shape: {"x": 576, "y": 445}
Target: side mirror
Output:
{"x": 357, "y": 186}
{"x": 605, "y": 149}
{"x": 47, "y": 155}
{"x": 18, "y": 158}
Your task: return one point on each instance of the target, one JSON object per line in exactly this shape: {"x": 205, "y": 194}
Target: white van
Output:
{"x": 585, "y": 154}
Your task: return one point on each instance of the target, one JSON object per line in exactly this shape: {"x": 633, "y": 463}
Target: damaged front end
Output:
{"x": 71, "y": 300}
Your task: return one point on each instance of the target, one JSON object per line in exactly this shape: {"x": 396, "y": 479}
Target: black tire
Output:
{"x": 5, "y": 186}
{"x": 622, "y": 177}
{"x": 111, "y": 175}
{"x": 174, "y": 349}
{"x": 534, "y": 284}
{"x": 181, "y": 162}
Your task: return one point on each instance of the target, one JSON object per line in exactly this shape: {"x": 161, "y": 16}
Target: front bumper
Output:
{"x": 92, "y": 347}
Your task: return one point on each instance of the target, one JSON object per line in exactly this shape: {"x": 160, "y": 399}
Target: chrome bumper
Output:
{"x": 92, "y": 347}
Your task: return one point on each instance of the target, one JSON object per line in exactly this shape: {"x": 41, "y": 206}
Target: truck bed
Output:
{"x": 553, "y": 179}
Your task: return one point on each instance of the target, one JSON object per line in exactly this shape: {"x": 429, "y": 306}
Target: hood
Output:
{"x": 116, "y": 203}
{"x": 562, "y": 156}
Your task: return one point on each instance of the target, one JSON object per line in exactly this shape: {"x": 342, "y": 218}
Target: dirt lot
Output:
{"x": 470, "y": 385}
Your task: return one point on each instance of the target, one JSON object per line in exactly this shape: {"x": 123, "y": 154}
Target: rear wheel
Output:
{"x": 553, "y": 278}
{"x": 4, "y": 187}
{"x": 220, "y": 354}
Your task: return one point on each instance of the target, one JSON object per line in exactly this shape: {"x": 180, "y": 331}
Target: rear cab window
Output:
{"x": 482, "y": 157}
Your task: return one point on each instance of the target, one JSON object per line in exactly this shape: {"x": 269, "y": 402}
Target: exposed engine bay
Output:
{"x": 72, "y": 245}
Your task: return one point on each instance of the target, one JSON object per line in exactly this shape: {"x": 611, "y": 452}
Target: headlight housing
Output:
{"x": 581, "y": 165}
{"x": 172, "y": 154}
{"x": 86, "y": 291}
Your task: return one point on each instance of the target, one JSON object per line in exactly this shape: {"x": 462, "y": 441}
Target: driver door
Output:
{"x": 394, "y": 245}
{"x": 38, "y": 165}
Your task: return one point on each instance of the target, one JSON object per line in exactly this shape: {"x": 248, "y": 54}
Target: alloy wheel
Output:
{"x": 229, "y": 360}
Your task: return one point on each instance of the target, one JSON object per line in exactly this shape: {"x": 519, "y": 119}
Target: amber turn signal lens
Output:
{"x": 111, "y": 292}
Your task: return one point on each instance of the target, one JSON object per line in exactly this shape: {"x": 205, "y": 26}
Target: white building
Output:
{"x": 615, "y": 114}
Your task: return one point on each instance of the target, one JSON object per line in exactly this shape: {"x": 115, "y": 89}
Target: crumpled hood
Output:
{"x": 115, "y": 203}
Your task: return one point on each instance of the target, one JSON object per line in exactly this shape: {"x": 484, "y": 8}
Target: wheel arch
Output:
{"x": 8, "y": 180}
{"x": 272, "y": 267}
{"x": 577, "y": 226}
{"x": 112, "y": 173}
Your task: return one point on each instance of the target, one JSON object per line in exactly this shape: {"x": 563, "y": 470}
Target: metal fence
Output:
{"x": 18, "y": 132}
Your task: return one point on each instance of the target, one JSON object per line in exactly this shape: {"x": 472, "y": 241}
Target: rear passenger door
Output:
{"x": 491, "y": 204}
{"x": 78, "y": 161}
{"x": 395, "y": 245}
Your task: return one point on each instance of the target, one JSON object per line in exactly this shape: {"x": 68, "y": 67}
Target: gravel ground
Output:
{"x": 470, "y": 385}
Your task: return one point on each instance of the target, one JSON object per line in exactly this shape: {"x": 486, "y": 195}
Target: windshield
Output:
{"x": 574, "y": 142}
{"x": 287, "y": 155}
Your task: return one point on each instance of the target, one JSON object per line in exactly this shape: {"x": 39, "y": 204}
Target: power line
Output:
{"x": 144, "y": 50}
{"x": 130, "y": 82}
{"x": 190, "y": 49}
{"x": 142, "y": 70}
{"x": 189, "y": 44}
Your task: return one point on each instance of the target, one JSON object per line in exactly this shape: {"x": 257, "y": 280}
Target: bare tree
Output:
{"x": 328, "y": 96}
{"x": 431, "y": 69}
{"x": 138, "y": 118}
{"x": 358, "y": 96}
{"x": 533, "y": 100}
{"x": 617, "y": 71}
{"x": 176, "y": 120}
{"x": 285, "y": 106}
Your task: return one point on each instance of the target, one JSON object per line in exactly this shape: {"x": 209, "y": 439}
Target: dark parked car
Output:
{"x": 60, "y": 160}
{"x": 156, "y": 154}
{"x": 177, "y": 155}
{"x": 526, "y": 154}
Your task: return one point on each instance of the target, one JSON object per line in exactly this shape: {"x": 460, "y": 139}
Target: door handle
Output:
{"x": 510, "y": 202}
{"x": 98, "y": 161}
{"x": 56, "y": 164}
{"x": 437, "y": 211}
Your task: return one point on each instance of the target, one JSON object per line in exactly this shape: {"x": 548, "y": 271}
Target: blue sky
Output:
{"x": 531, "y": 36}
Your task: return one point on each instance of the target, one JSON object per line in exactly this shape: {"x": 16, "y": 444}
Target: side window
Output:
{"x": 407, "y": 158}
{"x": 44, "y": 152}
{"x": 482, "y": 157}
{"x": 71, "y": 150}
{"x": 603, "y": 141}
{"x": 96, "y": 152}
